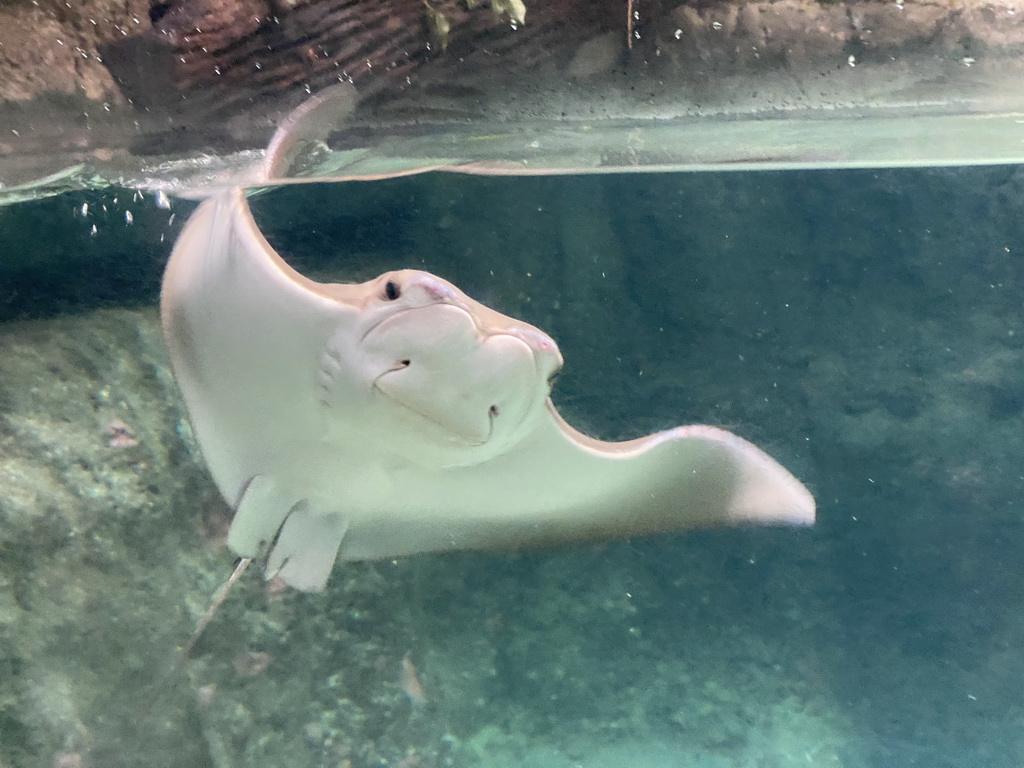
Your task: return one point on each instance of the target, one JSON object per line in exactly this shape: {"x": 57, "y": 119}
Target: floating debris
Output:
{"x": 119, "y": 435}
{"x": 411, "y": 686}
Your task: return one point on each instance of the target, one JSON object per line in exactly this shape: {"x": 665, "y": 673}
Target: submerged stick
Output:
{"x": 218, "y": 598}
{"x": 204, "y": 621}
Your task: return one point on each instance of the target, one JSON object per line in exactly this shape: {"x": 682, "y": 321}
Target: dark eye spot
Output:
{"x": 391, "y": 290}
{"x": 493, "y": 410}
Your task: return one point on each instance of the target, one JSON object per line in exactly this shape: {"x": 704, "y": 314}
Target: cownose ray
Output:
{"x": 346, "y": 422}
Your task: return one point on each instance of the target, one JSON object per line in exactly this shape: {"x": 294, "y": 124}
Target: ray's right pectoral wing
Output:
{"x": 245, "y": 333}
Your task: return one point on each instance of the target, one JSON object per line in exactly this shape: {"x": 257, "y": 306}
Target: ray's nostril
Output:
{"x": 404, "y": 363}
{"x": 493, "y": 410}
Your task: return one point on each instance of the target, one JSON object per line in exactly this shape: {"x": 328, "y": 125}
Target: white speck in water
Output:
{"x": 162, "y": 201}
{"x": 128, "y": 218}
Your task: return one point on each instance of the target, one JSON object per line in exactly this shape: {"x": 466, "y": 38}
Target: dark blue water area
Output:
{"x": 863, "y": 327}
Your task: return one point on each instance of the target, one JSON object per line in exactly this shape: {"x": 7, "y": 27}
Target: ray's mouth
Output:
{"x": 471, "y": 441}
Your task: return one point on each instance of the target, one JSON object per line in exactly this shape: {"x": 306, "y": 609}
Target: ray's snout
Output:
{"x": 546, "y": 352}
{"x": 432, "y": 288}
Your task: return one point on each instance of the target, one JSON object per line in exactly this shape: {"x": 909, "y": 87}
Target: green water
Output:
{"x": 863, "y": 327}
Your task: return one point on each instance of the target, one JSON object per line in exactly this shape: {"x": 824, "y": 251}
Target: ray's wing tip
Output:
{"x": 766, "y": 493}
{"x": 801, "y": 511}
{"x": 773, "y": 506}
